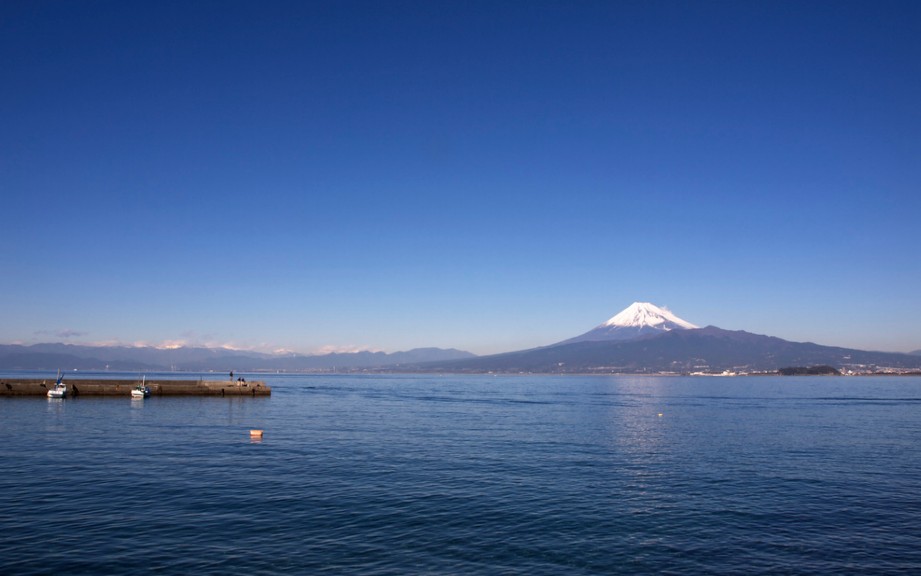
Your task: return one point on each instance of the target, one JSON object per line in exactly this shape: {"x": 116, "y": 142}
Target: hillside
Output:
{"x": 709, "y": 349}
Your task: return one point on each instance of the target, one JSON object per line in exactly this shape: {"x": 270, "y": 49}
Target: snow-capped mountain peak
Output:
{"x": 638, "y": 319}
{"x": 641, "y": 314}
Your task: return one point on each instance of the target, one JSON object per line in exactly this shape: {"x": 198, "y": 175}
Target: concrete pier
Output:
{"x": 90, "y": 387}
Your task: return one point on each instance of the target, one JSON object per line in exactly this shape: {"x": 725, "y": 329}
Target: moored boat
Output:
{"x": 59, "y": 390}
{"x": 142, "y": 390}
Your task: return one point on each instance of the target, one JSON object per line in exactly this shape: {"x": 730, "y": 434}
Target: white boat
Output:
{"x": 142, "y": 390}
{"x": 59, "y": 390}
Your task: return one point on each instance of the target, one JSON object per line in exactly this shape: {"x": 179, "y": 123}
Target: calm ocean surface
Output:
{"x": 470, "y": 475}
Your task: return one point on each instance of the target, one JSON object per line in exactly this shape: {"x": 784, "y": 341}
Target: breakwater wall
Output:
{"x": 101, "y": 387}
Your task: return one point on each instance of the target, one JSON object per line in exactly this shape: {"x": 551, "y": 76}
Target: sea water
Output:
{"x": 470, "y": 475}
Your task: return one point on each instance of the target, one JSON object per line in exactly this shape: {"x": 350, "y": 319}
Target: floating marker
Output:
{"x": 255, "y": 433}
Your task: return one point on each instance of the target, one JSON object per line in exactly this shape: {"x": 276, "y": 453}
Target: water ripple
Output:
{"x": 470, "y": 476}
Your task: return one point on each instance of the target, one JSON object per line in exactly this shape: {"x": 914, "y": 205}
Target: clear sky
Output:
{"x": 490, "y": 176}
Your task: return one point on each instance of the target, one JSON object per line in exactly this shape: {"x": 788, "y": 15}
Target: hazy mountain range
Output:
{"x": 194, "y": 359}
{"x": 643, "y": 338}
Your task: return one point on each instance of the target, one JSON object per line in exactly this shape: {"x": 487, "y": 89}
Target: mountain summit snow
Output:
{"x": 638, "y": 319}
{"x": 641, "y": 314}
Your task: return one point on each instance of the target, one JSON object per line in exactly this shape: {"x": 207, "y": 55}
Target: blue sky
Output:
{"x": 488, "y": 176}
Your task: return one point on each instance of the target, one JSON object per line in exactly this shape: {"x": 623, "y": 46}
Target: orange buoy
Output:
{"x": 255, "y": 433}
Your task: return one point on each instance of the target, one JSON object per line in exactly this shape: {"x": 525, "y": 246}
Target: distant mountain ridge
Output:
{"x": 709, "y": 350}
{"x": 645, "y": 338}
{"x": 53, "y": 356}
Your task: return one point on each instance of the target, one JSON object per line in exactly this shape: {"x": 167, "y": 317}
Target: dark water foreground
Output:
{"x": 470, "y": 475}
